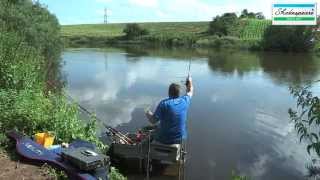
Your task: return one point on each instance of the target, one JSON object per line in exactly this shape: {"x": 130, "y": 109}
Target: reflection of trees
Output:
{"x": 282, "y": 68}
{"x": 134, "y": 52}
{"x": 230, "y": 62}
{"x": 290, "y": 68}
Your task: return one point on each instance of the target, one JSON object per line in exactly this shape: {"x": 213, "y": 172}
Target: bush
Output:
{"x": 37, "y": 28}
{"x": 223, "y": 25}
{"x": 220, "y": 42}
{"x": 25, "y": 104}
{"x": 20, "y": 64}
{"x": 115, "y": 175}
{"x": 31, "y": 111}
{"x": 30, "y": 47}
{"x": 133, "y": 31}
{"x": 288, "y": 38}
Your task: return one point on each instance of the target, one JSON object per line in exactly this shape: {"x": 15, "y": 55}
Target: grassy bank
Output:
{"x": 30, "y": 50}
{"x": 192, "y": 34}
{"x": 116, "y": 30}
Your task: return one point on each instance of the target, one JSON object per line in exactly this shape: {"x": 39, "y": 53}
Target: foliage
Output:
{"x": 31, "y": 111}
{"x": 306, "y": 118}
{"x": 220, "y": 42}
{"x": 30, "y": 41}
{"x": 223, "y": 25}
{"x": 30, "y": 48}
{"x": 3, "y": 140}
{"x": 133, "y": 31}
{"x": 20, "y": 63}
{"x": 238, "y": 177}
{"x": 115, "y": 175}
{"x": 171, "y": 39}
{"x": 168, "y": 34}
{"x": 288, "y": 38}
{"x": 37, "y": 28}
{"x": 251, "y": 15}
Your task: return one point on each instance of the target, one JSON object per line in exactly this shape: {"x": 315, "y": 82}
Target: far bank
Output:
{"x": 169, "y": 34}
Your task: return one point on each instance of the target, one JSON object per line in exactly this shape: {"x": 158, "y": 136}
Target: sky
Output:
{"x": 123, "y": 11}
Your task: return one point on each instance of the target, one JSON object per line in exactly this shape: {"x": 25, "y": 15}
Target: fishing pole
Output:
{"x": 189, "y": 69}
{"x": 109, "y": 128}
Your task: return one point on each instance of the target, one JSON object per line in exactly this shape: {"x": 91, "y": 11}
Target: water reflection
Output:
{"x": 282, "y": 68}
{"x": 238, "y": 119}
{"x": 290, "y": 68}
{"x": 233, "y": 62}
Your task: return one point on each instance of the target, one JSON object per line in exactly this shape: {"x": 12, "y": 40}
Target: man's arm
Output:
{"x": 189, "y": 86}
{"x": 155, "y": 117}
{"x": 152, "y": 119}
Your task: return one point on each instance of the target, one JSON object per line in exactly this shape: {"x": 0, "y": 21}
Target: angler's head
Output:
{"x": 174, "y": 90}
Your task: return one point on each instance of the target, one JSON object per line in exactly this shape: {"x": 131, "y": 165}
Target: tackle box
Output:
{"x": 85, "y": 159}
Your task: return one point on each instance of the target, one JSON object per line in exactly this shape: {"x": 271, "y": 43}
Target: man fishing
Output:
{"x": 171, "y": 114}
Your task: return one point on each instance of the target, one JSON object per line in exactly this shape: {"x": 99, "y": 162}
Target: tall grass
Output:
{"x": 30, "y": 47}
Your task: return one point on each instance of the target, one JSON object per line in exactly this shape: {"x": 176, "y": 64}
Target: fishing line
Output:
{"x": 109, "y": 128}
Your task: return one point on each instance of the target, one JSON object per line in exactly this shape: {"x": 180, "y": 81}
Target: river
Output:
{"x": 238, "y": 120}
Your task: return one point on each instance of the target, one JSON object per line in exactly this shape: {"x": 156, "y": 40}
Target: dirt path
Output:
{"x": 15, "y": 170}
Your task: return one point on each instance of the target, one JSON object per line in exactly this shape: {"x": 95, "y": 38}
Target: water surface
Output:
{"x": 238, "y": 120}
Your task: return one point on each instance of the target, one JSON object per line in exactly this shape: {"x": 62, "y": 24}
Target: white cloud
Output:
{"x": 195, "y": 10}
{"x": 144, "y": 3}
{"x": 259, "y": 168}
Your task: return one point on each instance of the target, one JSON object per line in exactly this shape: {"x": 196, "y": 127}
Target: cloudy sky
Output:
{"x": 92, "y": 11}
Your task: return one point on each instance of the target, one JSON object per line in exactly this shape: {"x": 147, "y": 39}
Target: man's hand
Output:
{"x": 189, "y": 86}
{"x": 148, "y": 113}
{"x": 188, "y": 81}
{"x": 150, "y": 117}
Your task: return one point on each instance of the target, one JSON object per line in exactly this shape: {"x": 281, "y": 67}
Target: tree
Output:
{"x": 244, "y": 14}
{"x": 134, "y": 30}
{"x": 259, "y": 15}
{"x": 251, "y": 15}
{"x": 223, "y": 25}
{"x": 288, "y": 38}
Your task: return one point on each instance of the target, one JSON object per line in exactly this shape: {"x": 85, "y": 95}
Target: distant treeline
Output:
{"x": 278, "y": 38}
{"x": 249, "y": 30}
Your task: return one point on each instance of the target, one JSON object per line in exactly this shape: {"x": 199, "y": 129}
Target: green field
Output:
{"x": 168, "y": 33}
{"x": 115, "y": 30}
{"x": 254, "y": 29}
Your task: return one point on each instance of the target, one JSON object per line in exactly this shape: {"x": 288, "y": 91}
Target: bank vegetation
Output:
{"x": 31, "y": 99}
